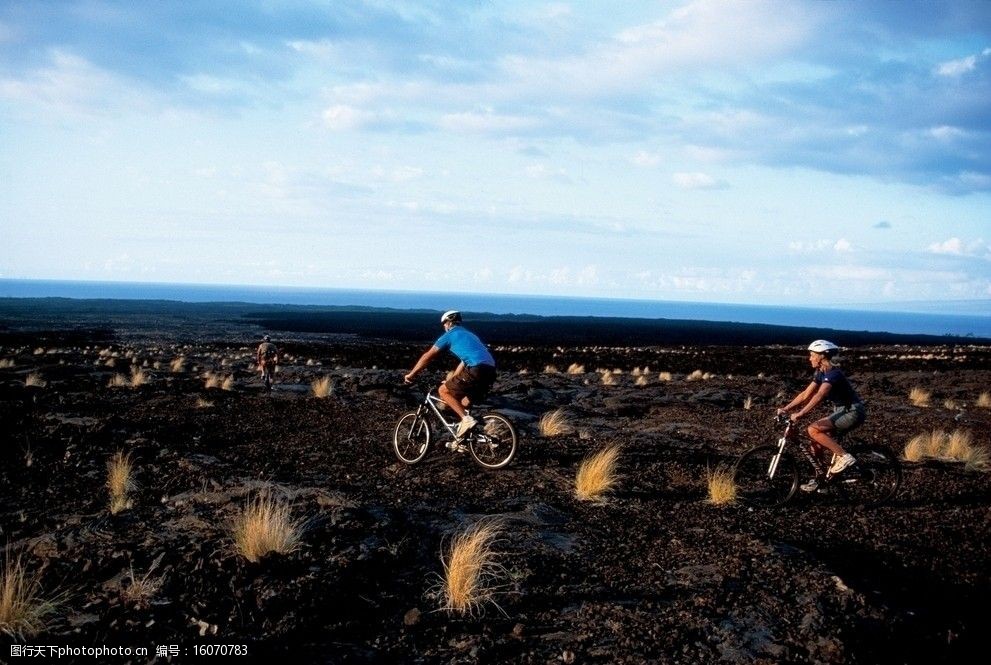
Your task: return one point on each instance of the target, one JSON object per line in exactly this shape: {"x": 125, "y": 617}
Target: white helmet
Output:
{"x": 452, "y": 315}
{"x": 823, "y": 346}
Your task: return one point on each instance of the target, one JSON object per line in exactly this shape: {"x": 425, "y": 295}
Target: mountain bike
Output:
{"x": 492, "y": 442}
{"x": 769, "y": 475}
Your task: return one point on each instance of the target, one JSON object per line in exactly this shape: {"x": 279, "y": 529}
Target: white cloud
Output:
{"x": 342, "y": 117}
{"x": 947, "y": 133}
{"x": 486, "y": 122}
{"x": 957, "y": 67}
{"x": 952, "y": 246}
{"x": 698, "y": 181}
{"x": 802, "y": 247}
{"x": 957, "y": 247}
{"x": 842, "y": 245}
{"x": 646, "y": 159}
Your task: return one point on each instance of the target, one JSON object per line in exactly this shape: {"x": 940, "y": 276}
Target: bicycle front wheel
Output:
{"x": 765, "y": 479}
{"x": 874, "y": 479}
{"x": 493, "y": 441}
{"x": 411, "y": 438}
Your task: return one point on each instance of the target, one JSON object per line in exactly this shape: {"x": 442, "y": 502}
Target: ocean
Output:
{"x": 881, "y": 318}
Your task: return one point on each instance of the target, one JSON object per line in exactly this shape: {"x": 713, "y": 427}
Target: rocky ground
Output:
{"x": 652, "y": 573}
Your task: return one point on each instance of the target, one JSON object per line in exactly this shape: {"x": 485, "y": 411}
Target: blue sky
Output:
{"x": 752, "y": 152}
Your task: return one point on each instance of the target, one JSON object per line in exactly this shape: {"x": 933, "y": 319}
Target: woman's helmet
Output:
{"x": 266, "y": 338}
{"x": 452, "y": 315}
{"x": 824, "y": 347}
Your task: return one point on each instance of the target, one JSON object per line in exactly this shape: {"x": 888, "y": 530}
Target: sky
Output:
{"x": 791, "y": 152}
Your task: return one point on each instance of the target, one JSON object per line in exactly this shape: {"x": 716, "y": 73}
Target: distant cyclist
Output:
{"x": 828, "y": 383}
{"x": 267, "y": 357}
{"x": 474, "y": 375}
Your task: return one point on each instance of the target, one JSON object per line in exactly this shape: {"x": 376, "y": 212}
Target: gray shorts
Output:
{"x": 846, "y": 418}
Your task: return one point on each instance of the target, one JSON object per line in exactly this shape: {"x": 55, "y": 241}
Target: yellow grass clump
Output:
{"x": 322, "y": 387}
{"x": 697, "y": 375}
{"x": 266, "y": 525}
{"x": 140, "y": 590}
{"x": 34, "y": 379}
{"x": 984, "y": 400}
{"x": 22, "y": 608}
{"x": 575, "y": 368}
{"x": 722, "y": 485}
{"x": 664, "y": 376}
{"x": 597, "y": 474}
{"x": 228, "y": 383}
{"x": 919, "y": 396}
{"x": 118, "y": 381}
{"x": 178, "y": 365}
{"x": 555, "y": 423}
{"x": 212, "y": 380}
{"x": 6, "y": 363}
{"x": 641, "y": 381}
{"x": 551, "y": 369}
{"x": 139, "y": 377}
{"x": 958, "y": 446}
{"x": 471, "y": 569}
{"x": 748, "y": 403}
{"x": 203, "y": 403}
{"x": 950, "y": 404}
{"x": 608, "y": 379}
{"x": 120, "y": 481}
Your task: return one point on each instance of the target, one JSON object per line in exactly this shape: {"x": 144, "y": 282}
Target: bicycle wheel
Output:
{"x": 757, "y": 486}
{"x": 493, "y": 441}
{"x": 874, "y": 479}
{"x": 411, "y": 438}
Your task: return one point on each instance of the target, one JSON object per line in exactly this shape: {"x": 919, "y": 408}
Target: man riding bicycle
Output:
{"x": 267, "y": 357}
{"x": 828, "y": 383}
{"x": 474, "y": 375}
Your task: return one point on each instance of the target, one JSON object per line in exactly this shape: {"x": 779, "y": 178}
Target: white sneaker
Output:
{"x": 810, "y": 486}
{"x": 841, "y": 463}
{"x": 466, "y": 424}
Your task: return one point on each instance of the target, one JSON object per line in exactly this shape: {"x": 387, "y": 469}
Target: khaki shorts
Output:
{"x": 847, "y": 418}
{"x": 473, "y": 382}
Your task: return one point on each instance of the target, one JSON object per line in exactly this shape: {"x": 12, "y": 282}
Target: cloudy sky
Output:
{"x": 752, "y": 152}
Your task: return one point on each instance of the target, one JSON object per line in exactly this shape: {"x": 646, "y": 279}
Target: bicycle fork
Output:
{"x": 773, "y": 466}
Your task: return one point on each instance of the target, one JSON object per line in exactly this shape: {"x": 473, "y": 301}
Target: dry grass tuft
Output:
{"x": 212, "y": 380}
{"x": 141, "y": 590}
{"x": 664, "y": 376}
{"x": 697, "y": 375}
{"x": 597, "y": 474}
{"x": 551, "y": 369}
{"x": 22, "y": 609}
{"x": 575, "y": 368}
{"x": 139, "y": 377}
{"x": 984, "y": 400}
{"x": 748, "y": 403}
{"x": 722, "y": 485}
{"x": 322, "y": 387}
{"x": 118, "y": 381}
{"x": 266, "y": 525}
{"x": 919, "y": 396}
{"x": 950, "y": 404}
{"x": 6, "y": 363}
{"x": 178, "y": 365}
{"x": 555, "y": 423}
{"x": 228, "y": 383}
{"x": 470, "y": 568}
{"x": 641, "y": 381}
{"x": 203, "y": 403}
{"x": 34, "y": 379}
{"x": 608, "y": 379}
{"x": 120, "y": 481}
{"x": 958, "y": 446}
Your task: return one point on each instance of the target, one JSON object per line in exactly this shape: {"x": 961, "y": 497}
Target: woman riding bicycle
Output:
{"x": 828, "y": 383}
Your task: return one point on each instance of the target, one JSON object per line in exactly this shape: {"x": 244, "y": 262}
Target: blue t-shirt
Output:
{"x": 841, "y": 393}
{"x": 466, "y": 346}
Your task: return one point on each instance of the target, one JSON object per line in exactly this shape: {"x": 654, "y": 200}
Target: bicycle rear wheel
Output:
{"x": 874, "y": 479}
{"x": 411, "y": 439}
{"x": 493, "y": 441}
{"x": 757, "y": 484}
